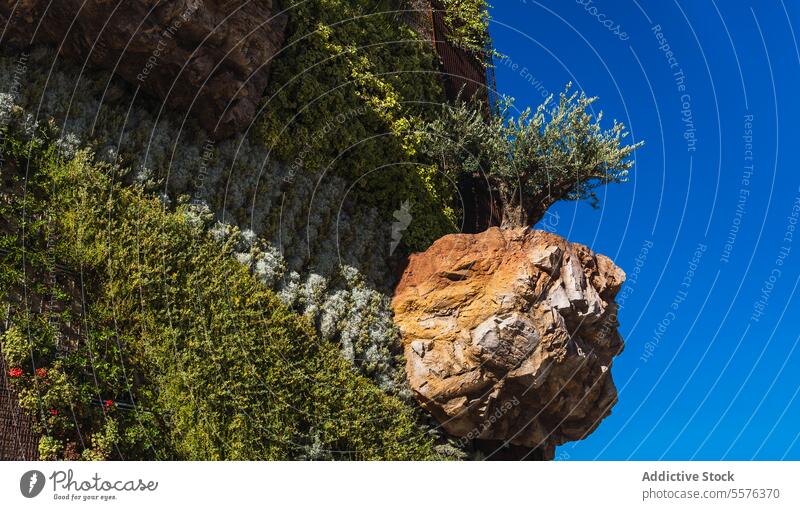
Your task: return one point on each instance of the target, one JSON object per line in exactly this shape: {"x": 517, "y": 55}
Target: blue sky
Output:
{"x": 711, "y": 320}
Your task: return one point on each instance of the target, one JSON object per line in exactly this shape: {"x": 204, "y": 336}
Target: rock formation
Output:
{"x": 210, "y": 57}
{"x": 509, "y": 335}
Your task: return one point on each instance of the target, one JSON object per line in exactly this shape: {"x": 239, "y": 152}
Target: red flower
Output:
{"x": 15, "y": 372}
{"x": 41, "y": 372}
{"x": 109, "y": 403}
{"x": 53, "y": 412}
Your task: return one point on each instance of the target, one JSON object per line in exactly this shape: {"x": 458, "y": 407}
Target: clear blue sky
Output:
{"x": 711, "y": 368}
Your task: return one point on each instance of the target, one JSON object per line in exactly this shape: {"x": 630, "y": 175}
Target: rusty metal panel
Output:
{"x": 462, "y": 68}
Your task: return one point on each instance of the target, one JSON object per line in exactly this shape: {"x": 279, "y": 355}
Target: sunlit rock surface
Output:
{"x": 509, "y": 335}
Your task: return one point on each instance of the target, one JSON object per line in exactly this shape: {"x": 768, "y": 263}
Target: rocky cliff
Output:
{"x": 207, "y": 57}
{"x": 509, "y": 336}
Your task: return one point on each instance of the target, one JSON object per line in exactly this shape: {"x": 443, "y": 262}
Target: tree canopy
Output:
{"x": 557, "y": 152}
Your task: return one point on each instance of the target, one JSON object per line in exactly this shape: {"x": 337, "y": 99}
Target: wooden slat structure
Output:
{"x": 462, "y": 70}
{"x": 471, "y": 74}
{"x": 17, "y": 438}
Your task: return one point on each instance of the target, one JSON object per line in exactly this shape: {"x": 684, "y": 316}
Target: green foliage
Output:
{"x": 103, "y": 442}
{"x": 154, "y": 342}
{"x": 557, "y": 152}
{"x": 468, "y": 21}
{"x": 347, "y": 66}
{"x": 50, "y": 448}
{"x": 350, "y": 81}
{"x": 327, "y": 237}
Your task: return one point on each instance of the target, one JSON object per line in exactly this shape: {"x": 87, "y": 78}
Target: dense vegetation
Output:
{"x": 169, "y": 298}
{"x": 322, "y": 258}
{"x": 351, "y": 80}
{"x": 136, "y": 334}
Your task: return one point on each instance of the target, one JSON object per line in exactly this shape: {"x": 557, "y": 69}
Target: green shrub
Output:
{"x": 468, "y": 21}
{"x": 159, "y": 344}
{"x": 344, "y": 91}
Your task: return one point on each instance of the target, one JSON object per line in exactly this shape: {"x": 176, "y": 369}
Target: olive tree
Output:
{"x": 514, "y": 169}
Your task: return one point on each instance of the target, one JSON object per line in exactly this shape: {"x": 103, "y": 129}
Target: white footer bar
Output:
{"x": 402, "y": 485}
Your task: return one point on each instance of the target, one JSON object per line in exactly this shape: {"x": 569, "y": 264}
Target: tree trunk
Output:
{"x": 482, "y": 205}
{"x": 487, "y": 203}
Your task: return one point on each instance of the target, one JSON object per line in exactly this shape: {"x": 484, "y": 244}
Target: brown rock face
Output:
{"x": 509, "y": 335}
{"x": 208, "y": 56}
